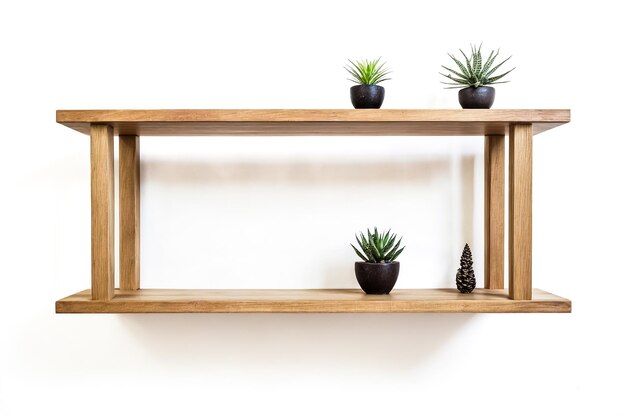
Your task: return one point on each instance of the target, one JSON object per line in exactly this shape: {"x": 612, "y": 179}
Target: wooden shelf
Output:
{"x": 432, "y": 122}
{"x": 313, "y": 301}
{"x": 102, "y": 125}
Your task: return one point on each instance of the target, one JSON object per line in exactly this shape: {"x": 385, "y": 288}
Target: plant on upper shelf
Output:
{"x": 378, "y": 272}
{"x": 474, "y": 77}
{"x": 367, "y": 74}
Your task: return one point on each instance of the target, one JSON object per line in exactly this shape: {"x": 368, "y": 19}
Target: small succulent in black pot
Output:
{"x": 378, "y": 272}
{"x": 367, "y": 74}
{"x": 474, "y": 77}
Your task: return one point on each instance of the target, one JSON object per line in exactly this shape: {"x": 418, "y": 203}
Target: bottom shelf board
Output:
{"x": 446, "y": 300}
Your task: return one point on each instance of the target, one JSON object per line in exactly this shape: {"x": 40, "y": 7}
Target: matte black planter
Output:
{"x": 377, "y": 278}
{"x": 477, "y": 97}
{"x": 367, "y": 96}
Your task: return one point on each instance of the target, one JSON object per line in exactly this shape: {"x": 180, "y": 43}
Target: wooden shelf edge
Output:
{"x": 445, "y": 300}
{"x": 313, "y": 122}
{"x": 311, "y": 115}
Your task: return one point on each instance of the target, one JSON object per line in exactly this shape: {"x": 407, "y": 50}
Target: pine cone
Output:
{"x": 465, "y": 279}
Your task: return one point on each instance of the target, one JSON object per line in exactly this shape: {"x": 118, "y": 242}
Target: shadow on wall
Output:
{"x": 399, "y": 343}
{"x": 188, "y": 172}
{"x": 356, "y": 343}
{"x": 446, "y": 178}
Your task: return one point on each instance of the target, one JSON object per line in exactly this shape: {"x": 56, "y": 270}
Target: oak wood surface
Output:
{"x": 129, "y": 211}
{"x": 520, "y": 211}
{"x": 102, "y": 124}
{"x": 431, "y": 122}
{"x": 102, "y": 213}
{"x": 313, "y": 301}
{"x": 494, "y": 211}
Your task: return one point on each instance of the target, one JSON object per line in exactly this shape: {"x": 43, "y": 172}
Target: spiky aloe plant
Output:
{"x": 475, "y": 72}
{"x": 367, "y": 72}
{"x": 378, "y": 247}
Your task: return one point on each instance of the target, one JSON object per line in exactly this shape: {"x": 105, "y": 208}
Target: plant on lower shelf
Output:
{"x": 465, "y": 279}
{"x": 378, "y": 272}
{"x": 367, "y": 74}
{"x": 474, "y": 77}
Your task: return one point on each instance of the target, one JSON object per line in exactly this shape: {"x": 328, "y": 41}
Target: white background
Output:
{"x": 279, "y": 213}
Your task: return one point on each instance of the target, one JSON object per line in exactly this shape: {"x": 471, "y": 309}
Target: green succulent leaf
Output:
{"x": 494, "y": 69}
{"x": 395, "y": 248}
{"x": 376, "y": 253}
{"x": 489, "y": 61}
{"x": 367, "y": 72}
{"x": 478, "y": 60}
{"x": 359, "y": 253}
{"x": 476, "y": 71}
{"x": 460, "y": 65}
{"x": 458, "y": 74}
{"x": 388, "y": 246}
{"x": 457, "y": 80}
{"x": 494, "y": 79}
{"x": 393, "y": 258}
{"x": 377, "y": 247}
{"x": 386, "y": 237}
{"x": 468, "y": 63}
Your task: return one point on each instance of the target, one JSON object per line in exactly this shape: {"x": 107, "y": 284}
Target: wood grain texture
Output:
{"x": 313, "y": 301}
{"x": 312, "y": 122}
{"x": 520, "y": 211}
{"x": 129, "y": 212}
{"x": 102, "y": 213}
{"x": 494, "y": 212}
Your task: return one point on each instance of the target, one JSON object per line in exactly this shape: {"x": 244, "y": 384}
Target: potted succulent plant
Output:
{"x": 378, "y": 272}
{"x": 474, "y": 77}
{"x": 367, "y": 74}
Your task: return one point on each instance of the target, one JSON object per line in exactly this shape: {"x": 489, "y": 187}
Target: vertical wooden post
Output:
{"x": 494, "y": 211}
{"x": 520, "y": 211}
{"x": 102, "y": 213}
{"x": 129, "y": 212}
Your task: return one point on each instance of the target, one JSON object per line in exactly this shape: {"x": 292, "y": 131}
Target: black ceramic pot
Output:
{"x": 367, "y": 96}
{"x": 377, "y": 278}
{"x": 477, "y": 97}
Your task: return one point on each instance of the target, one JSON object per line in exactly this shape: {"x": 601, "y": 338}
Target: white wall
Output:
{"x": 253, "y": 212}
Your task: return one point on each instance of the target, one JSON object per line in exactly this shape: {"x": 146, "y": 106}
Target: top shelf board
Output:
{"x": 312, "y": 122}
